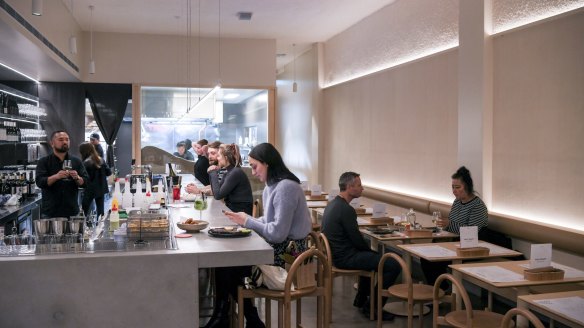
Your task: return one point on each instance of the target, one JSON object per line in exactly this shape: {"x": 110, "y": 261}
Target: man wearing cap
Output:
{"x": 181, "y": 151}
{"x": 94, "y": 140}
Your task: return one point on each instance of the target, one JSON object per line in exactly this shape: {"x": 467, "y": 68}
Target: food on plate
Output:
{"x": 189, "y": 221}
{"x": 244, "y": 230}
{"x": 228, "y": 228}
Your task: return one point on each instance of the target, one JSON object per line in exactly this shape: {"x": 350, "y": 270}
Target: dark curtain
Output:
{"x": 65, "y": 105}
{"x": 108, "y": 104}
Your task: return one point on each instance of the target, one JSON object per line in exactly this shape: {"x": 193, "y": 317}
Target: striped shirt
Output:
{"x": 473, "y": 213}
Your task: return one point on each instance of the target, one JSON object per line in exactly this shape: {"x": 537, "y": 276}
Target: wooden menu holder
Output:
{"x": 319, "y": 197}
{"x": 360, "y": 210}
{"x": 472, "y": 251}
{"x": 545, "y": 273}
{"x": 418, "y": 233}
{"x": 383, "y": 220}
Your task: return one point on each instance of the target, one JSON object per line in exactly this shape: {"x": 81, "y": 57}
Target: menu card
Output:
{"x": 304, "y": 185}
{"x": 378, "y": 210}
{"x": 541, "y": 255}
{"x": 355, "y": 202}
{"x": 316, "y": 190}
{"x": 469, "y": 237}
{"x": 571, "y": 307}
{"x": 333, "y": 194}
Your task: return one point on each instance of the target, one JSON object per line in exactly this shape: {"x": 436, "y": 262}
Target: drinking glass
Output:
{"x": 436, "y": 217}
{"x": 200, "y": 205}
{"x": 67, "y": 166}
{"x": 177, "y": 168}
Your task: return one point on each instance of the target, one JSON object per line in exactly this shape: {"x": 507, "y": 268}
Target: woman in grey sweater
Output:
{"x": 286, "y": 213}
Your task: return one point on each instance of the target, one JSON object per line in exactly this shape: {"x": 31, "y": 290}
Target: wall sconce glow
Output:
{"x": 37, "y": 7}
{"x": 511, "y": 17}
{"x": 414, "y": 193}
{"x": 20, "y": 73}
{"x": 393, "y": 63}
{"x": 200, "y": 103}
{"x": 565, "y": 222}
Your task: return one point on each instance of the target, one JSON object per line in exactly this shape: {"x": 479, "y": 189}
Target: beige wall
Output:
{"x": 398, "y": 128}
{"x": 162, "y": 60}
{"x": 539, "y": 122}
{"x": 298, "y": 117}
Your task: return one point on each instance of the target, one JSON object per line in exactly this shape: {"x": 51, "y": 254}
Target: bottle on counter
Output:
{"x": 127, "y": 196}
{"x": 139, "y": 195}
{"x": 114, "y": 219}
{"x": 117, "y": 194}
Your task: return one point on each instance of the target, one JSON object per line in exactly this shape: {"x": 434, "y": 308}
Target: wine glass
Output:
{"x": 67, "y": 166}
{"x": 177, "y": 168}
{"x": 436, "y": 217}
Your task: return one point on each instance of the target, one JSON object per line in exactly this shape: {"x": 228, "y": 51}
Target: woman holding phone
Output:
{"x": 234, "y": 188}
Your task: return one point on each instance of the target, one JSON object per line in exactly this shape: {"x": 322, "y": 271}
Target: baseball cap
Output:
{"x": 94, "y": 136}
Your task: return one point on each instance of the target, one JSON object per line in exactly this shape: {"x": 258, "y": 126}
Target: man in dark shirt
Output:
{"x": 94, "y": 139}
{"x": 59, "y": 185}
{"x": 202, "y": 163}
{"x": 349, "y": 249}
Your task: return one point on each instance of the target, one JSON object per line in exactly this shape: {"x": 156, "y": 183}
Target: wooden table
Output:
{"x": 379, "y": 241}
{"x": 506, "y": 278}
{"x": 564, "y": 307}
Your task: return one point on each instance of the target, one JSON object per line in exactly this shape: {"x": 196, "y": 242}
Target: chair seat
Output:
{"x": 278, "y": 294}
{"x": 421, "y": 292}
{"x": 480, "y": 319}
{"x": 339, "y": 272}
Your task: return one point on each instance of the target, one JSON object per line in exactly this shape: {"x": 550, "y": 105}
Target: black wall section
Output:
{"x": 65, "y": 105}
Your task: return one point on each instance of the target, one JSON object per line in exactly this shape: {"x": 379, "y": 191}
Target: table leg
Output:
{"x": 458, "y": 277}
{"x": 521, "y": 320}
{"x": 522, "y": 305}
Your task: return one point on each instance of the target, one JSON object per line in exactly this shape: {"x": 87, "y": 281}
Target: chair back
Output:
{"x": 406, "y": 273}
{"x": 460, "y": 289}
{"x": 255, "y": 212}
{"x": 325, "y": 248}
{"x": 323, "y": 271}
{"x": 314, "y": 240}
{"x": 526, "y": 313}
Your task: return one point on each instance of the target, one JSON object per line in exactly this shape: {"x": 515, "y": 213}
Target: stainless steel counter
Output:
{"x": 141, "y": 288}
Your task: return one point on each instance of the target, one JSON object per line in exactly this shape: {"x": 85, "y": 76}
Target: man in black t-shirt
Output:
{"x": 60, "y": 184}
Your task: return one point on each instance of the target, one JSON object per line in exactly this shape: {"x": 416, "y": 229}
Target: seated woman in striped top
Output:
{"x": 467, "y": 210}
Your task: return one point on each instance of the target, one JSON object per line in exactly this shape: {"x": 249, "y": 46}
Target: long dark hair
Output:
{"x": 463, "y": 174}
{"x": 277, "y": 170}
{"x": 86, "y": 150}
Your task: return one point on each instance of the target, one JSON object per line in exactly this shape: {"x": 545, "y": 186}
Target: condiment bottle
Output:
{"x": 114, "y": 219}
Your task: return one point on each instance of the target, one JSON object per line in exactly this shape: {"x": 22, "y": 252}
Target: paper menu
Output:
{"x": 541, "y": 255}
{"x": 469, "y": 237}
{"x": 304, "y": 185}
{"x": 432, "y": 251}
{"x": 494, "y": 273}
{"x": 355, "y": 202}
{"x": 316, "y": 190}
{"x": 333, "y": 194}
{"x": 571, "y": 307}
{"x": 379, "y": 210}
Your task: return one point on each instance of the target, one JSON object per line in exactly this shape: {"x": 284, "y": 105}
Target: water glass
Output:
{"x": 437, "y": 220}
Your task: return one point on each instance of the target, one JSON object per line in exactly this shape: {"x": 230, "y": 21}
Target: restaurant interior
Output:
{"x": 401, "y": 91}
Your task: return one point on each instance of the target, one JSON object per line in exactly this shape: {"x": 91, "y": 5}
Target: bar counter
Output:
{"x": 155, "y": 288}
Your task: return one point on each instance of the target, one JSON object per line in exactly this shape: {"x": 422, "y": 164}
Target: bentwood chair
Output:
{"x": 256, "y": 210}
{"x": 523, "y": 312}
{"x": 406, "y": 291}
{"x": 322, "y": 290}
{"x": 462, "y": 318}
{"x": 336, "y": 272}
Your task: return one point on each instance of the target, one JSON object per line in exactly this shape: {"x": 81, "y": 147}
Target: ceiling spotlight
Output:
{"x": 37, "y": 7}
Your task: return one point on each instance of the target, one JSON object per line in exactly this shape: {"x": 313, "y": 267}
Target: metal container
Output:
{"x": 75, "y": 226}
{"x": 58, "y": 226}
{"x": 41, "y": 226}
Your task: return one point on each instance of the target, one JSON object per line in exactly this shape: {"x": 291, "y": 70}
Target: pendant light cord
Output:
{"x": 91, "y": 33}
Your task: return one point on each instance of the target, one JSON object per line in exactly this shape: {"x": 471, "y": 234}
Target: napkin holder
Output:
{"x": 418, "y": 233}
{"x": 472, "y": 251}
{"x": 360, "y": 210}
{"x": 382, "y": 220}
{"x": 314, "y": 198}
{"x": 544, "y": 273}
{"x": 307, "y": 192}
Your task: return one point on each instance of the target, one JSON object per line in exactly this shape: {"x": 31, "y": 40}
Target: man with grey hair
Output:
{"x": 349, "y": 249}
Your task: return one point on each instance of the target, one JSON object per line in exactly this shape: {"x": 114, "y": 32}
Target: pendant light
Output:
{"x": 37, "y": 7}
{"x": 72, "y": 38}
{"x": 91, "y": 61}
{"x": 294, "y": 85}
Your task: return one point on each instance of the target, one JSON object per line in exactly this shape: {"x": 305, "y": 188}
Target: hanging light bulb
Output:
{"x": 37, "y": 7}
{"x": 72, "y": 38}
{"x": 294, "y": 85}
{"x": 91, "y": 61}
